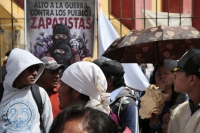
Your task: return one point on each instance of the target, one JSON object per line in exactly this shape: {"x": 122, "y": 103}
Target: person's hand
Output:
{"x": 154, "y": 116}
{"x": 154, "y": 119}
{"x": 156, "y": 111}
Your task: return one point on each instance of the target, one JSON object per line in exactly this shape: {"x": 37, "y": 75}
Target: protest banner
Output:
{"x": 62, "y": 29}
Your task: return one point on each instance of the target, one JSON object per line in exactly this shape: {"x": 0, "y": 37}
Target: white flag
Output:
{"x": 134, "y": 76}
{"x": 106, "y": 33}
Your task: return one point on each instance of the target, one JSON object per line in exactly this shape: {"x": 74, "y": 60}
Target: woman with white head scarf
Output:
{"x": 84, "y": 82}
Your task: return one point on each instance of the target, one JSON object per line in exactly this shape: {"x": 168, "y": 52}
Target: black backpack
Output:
{"x": 37, "y": 97}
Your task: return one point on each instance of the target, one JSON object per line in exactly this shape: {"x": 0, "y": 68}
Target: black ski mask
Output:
{"x": 61, "y": 29}
{"x": 61, "y": 48}
{"x": 61, "y": 53}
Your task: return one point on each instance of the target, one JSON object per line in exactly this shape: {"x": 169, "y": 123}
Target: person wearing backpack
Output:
{"x": 49, "y": 80}
{"x": 122, "y": 97}
{"x": 19, "y": 107}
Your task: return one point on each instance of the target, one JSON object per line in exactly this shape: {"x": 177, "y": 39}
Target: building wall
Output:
{"x": 129, "y": 18}
{"x": 196, "y": 21}
{"x": 133, "y": 10}
{"x": 13, "y": 35}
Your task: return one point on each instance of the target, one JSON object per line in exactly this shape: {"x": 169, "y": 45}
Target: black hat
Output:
{"x": 112, "y": 68}
{"x": 99, "y": 61}
{"x": 189, "y": 62}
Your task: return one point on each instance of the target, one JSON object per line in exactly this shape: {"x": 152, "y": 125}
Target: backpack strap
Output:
{"x": 38, "y": 99}
{"x": 120, "y": 104}
{"x": 1, "y": 91}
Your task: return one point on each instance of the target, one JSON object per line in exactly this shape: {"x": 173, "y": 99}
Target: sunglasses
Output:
{"x": 33, "y": 68}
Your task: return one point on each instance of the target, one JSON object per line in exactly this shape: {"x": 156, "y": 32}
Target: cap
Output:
{"x": 50, "y": 63}
{"x": 170, "y": 64}
{"x": 189, "y": 62}
{"x": 99, "y": 61}
{"x": 113, "y": 68}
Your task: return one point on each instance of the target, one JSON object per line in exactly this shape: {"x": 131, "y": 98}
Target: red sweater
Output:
{"x": 55, "y": 102}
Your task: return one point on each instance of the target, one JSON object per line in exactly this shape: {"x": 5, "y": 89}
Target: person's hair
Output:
{"x": 93, "y": 121}
{"x": 83, "y": 97}
{"x": 8, "y": 53}
{"x": 167, "y": 111}
{"x": 153, "y": 81}
{"x": 188, "y": 74}
{"x": 117, "y": 81}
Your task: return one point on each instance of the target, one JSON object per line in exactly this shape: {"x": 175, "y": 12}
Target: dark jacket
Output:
{"x": 128, "y": 113}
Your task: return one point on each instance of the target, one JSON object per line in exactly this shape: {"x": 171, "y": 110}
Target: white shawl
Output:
{"x": 182, "y": 121}
{"x": 88, "y": 79}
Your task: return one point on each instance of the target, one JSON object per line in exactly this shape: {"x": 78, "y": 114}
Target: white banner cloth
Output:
{"x": 174, "y": 19}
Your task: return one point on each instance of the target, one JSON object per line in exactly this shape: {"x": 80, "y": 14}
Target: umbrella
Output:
{"x": 153, "y": 45}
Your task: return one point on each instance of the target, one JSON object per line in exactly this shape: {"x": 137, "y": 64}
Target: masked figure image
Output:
{"x": 61, "y": 48}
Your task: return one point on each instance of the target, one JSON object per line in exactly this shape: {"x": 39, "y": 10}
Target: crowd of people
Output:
{"x": 37, "y": 95}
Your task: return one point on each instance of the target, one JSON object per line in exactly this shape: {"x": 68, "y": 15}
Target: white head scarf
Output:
{"x": 88, "y": 79}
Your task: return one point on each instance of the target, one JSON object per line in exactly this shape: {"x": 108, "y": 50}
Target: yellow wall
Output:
{"x": 159, "y": 5}
{"x": 6, "y": 23}
{"x": 103, "y": 4}
{"x": 115, "y": 23}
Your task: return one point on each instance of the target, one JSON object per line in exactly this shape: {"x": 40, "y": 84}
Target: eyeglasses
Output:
{"x": 58, "y": 36}
{"x": 33, "y": 68}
